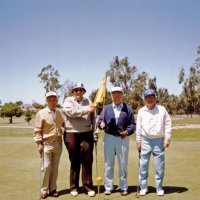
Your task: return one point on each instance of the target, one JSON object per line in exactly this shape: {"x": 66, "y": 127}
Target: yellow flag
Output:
{"x": 101, "y": 93}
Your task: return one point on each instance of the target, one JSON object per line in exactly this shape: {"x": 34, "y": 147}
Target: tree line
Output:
{"x": 134, "y": 83}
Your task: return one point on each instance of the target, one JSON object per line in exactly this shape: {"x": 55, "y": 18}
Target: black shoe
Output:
{"x": 54, "y": 194}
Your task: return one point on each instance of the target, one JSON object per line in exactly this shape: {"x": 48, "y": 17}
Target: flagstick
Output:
{"x": 100, "y": 97}
{"x": 99, "y": 178}
{"x": 101, "y": 156}
{"x": 97, "y": 174}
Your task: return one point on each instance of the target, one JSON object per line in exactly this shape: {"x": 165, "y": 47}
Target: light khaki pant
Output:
{"x": 49, "y": 168}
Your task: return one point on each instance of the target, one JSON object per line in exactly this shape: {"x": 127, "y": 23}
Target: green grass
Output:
{"x": 20, "y": 162}
{"x": 183, "y": 120}
{"x": 176, "y": 120}
{"x": 179, "y": 134}
{"x": 186, "y": 134}
{"x": 16, "y": 132}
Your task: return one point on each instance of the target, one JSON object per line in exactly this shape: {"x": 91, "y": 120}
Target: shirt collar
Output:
{"x": 120, "y": 105}
{"x": 146, "y": 109}
{"x": 49, "y": 111}
{"x": 80, "y": 101}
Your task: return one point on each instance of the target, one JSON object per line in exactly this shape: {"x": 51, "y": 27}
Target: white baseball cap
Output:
{"x": 48, "y": 94}
{"x": 117, "y": 89}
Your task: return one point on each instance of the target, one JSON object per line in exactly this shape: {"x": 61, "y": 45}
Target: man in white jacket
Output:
{"x": 153, "y": 134}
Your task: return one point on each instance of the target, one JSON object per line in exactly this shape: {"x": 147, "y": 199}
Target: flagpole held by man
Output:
{"x": 99, "y": 98}
{"x": 78, "y": 139}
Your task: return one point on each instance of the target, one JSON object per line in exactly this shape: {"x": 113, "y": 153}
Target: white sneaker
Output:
{"x": 143, "y": 192}
{"x": 74, "y": 193}
{"x": 108, "y": 192}
{"x": 91, "y": 193}
{"x": 160, "y": 192}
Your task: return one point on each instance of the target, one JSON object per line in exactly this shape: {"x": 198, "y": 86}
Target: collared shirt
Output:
{"x": 117, "y": 111}
{"x": 152, "y": 118}
{"x": 155, "y": 123}
{"x": 53, "y": 114}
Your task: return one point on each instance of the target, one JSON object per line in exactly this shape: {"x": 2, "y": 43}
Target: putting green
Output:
{"x": 19, "y": 168}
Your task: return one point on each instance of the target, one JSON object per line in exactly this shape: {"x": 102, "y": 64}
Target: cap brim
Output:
{"x": 116, "y": 91}
{"x": 52, "y": 96}
{"x": 149, "y": 95}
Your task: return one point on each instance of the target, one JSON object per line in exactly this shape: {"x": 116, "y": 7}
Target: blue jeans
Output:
{"x": 156, "y": 147}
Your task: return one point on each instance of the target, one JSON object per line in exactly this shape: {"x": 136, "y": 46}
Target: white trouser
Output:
{"x": 120, "y": 147}
{"x": 50, "y": 162}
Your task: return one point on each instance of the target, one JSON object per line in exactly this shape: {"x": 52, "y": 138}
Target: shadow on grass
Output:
{"x": 64, "y": 192}
{"x": 174, "y": 189}
{"x": 82, "y": 191}
{"x": 167, "y": 189}
{"x": 131, "y": 189}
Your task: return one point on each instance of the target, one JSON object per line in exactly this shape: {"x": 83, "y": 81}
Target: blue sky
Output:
{"x": 81, "y": 37}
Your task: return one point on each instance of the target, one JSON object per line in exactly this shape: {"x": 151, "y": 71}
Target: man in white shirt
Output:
{"x": 153, "y": 134}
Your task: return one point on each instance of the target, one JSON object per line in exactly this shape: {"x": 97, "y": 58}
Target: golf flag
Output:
{"x": 101, "y": 93}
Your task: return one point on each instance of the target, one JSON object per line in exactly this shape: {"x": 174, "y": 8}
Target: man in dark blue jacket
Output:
{"x": 117, "y": 120}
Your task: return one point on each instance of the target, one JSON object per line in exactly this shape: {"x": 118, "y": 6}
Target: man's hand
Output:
{"x": 166, "y": 143}
{"x": 102, "y": 125}
{"x": 40, "y": 148}
{"x": 92, "y": 108}
{"x": 138, "y": 145}
{"x": 123, "y": 134}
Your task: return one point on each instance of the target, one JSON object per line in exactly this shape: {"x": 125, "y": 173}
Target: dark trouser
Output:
{"x": 80, "y": 148}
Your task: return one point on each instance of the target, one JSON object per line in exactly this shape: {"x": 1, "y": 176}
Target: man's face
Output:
{"x": 52, "y": 102}
{"x": 78, "y": 93}
{"x": 150, "y": 100}
{"x": 117, "y": 97}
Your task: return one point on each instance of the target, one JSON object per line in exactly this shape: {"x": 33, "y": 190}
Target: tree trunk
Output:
{"x": 11, "y": 120}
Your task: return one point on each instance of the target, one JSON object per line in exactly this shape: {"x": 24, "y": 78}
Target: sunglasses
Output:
{"x": 78, "y": 89}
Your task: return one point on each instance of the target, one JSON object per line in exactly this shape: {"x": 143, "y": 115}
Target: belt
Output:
{"x": 116, "y": 135}
{"x": 151, "y": 138}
